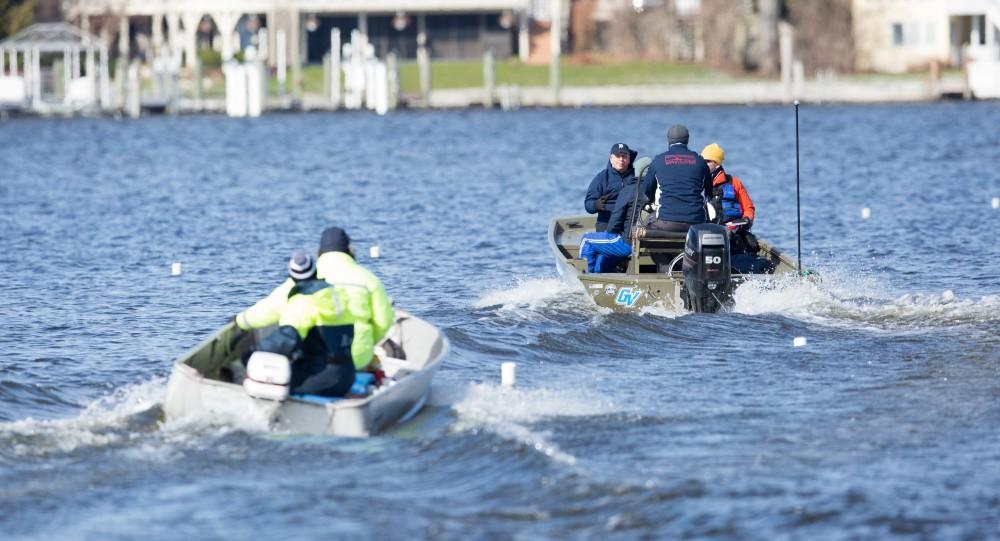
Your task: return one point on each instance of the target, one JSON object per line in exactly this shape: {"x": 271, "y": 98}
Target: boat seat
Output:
{"x": 654, "y": 234}
{"x": 654, "y": 245}
{"x": 361, "y": 382}
{"x": 315, "y": 398}
{"x": 659, "y": 245}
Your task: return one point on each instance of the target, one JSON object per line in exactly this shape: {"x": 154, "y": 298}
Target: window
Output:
{"x": 897, "y": 34}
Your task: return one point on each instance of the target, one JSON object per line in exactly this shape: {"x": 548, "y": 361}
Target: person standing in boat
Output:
{"x": 329, "y": 326}
{"x": 732, "y": 204}
{"x": 604, "y": 188}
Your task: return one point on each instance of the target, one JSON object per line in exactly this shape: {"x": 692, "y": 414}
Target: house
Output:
{"x": 900, "y": 35}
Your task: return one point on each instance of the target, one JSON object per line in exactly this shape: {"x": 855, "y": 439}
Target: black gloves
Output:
{"x": 601, "y": 203}
{"x": 236, "y": 334}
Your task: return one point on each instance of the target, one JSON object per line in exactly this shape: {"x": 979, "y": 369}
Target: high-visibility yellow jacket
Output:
{"x": 266, "y": 311}
{"x": 344, "y": 293}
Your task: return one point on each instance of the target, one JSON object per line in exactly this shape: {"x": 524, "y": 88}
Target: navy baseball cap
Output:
{"x": 620, "y": 148}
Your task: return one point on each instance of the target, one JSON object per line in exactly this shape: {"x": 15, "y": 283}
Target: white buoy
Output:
{"x": 866, "y": 213}
{"x": 175, "y": 269}
{"x": 799, "y": 341}
{"x": 375, "y": 252}
{"x": 995, "y": 202}
{"x": 508, "y": 374}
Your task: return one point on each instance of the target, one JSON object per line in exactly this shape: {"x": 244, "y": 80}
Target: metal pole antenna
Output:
{"x": 798, "y": 206}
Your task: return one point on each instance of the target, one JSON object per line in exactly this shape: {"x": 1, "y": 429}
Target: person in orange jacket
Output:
{"x": 732, "y": 203}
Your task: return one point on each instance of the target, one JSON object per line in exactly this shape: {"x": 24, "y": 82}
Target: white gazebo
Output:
{"x": 85, "y": 78}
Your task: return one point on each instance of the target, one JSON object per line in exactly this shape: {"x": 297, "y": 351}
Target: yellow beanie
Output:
{"x": 714, "y": 152}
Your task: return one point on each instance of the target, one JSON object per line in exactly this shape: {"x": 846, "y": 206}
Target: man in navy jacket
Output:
{"x": 678, "y": 180}
{"x": 603, "y": 190}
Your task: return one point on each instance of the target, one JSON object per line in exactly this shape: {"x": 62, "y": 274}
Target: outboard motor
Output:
{"x": 708, "y": 282}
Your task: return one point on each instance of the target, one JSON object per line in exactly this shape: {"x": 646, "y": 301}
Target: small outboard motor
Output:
{"x": 708, "y": 282}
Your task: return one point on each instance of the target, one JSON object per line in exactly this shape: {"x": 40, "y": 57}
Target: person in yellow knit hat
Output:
{"x": 732, "y": 203}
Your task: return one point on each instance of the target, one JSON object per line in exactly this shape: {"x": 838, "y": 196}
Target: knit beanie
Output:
{"x": 301, "y": 266}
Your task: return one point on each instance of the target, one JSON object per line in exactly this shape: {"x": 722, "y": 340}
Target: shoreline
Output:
{"x": 511, "y": 97}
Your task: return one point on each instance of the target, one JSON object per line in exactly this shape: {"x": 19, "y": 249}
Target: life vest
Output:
{"x": 727, "y": 205}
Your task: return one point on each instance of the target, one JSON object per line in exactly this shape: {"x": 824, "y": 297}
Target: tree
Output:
{"x": 15, "y": 15}
{"x": 823, "y": 34}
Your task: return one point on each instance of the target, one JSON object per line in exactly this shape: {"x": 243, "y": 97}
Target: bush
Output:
{"x": 209, "y": 58}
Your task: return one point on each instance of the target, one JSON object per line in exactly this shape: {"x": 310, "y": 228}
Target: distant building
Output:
{"x": 898, "y": 35}
{"x": 450, "y": 29}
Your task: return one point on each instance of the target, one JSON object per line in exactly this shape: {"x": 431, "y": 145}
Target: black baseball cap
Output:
{"x": 620, "y": 148}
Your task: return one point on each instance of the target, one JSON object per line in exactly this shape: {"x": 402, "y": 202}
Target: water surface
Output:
{"x": 654, "y": 425}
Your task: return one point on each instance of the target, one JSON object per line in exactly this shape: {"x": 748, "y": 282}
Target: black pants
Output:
{"x": 667, "y": 225}
{"x": 663, "y": 260}
{"x": 316, "y": 376}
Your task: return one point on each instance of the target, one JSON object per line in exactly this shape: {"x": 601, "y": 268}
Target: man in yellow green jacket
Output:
{"x": 329, "y": 326}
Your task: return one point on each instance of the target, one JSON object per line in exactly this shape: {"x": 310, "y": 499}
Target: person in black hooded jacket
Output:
{"x": 629, "y": 204}
{"x": 603, "y": 191}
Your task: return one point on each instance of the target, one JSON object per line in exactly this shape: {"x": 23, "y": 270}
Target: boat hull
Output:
{"x": 632, "y": 291}
{"x": 198, "y": 388}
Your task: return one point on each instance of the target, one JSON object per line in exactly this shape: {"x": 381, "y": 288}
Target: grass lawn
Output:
{"x": 469, "y": 74}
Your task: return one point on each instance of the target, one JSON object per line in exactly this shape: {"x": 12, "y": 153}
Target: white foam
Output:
{"x": 659, "y": 309}
{"x": 527, "y": 293}
{"x": 94, "y": 427}
{"x": 533, "y": 298}
{"x": 507, "y": 413}
{"x": 785, "y": 294}
{"x": 841, "y": 297}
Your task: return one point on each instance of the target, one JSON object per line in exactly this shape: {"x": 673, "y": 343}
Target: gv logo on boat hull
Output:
{"x": 627, "y": 296}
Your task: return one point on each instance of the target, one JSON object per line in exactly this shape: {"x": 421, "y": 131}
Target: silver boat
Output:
{"x": 206, "y": 382}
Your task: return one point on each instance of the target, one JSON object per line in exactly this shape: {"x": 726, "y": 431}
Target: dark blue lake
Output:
{"x": 646, "y": 426}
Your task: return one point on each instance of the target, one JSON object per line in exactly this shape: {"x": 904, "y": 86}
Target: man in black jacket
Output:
{"x": 603, "y": 191}
{"x": 629, "y": 205}
{"x": 678, "y": 181}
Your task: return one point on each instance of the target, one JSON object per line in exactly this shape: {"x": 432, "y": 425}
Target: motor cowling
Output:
{"x": 269, "y": 376}
{"x": 708, "y": 281}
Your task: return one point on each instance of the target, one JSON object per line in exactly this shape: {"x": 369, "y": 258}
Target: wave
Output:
{"x": 110, "y": 420}
{"x": 537, "y": 299}
{"x": 531, "y": 293}
{"x": 843, "y": 297}
{"x": 131, "y": 416}
{"x": 509, "y": 412}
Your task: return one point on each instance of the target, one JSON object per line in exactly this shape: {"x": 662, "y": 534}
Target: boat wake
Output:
{"x": 530, "y": 296}
{"x": 116, "y": 419}
{"x": 509, "y": 413}
{"x": 840, "y": 297}
{"x": 129, "y": 417}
